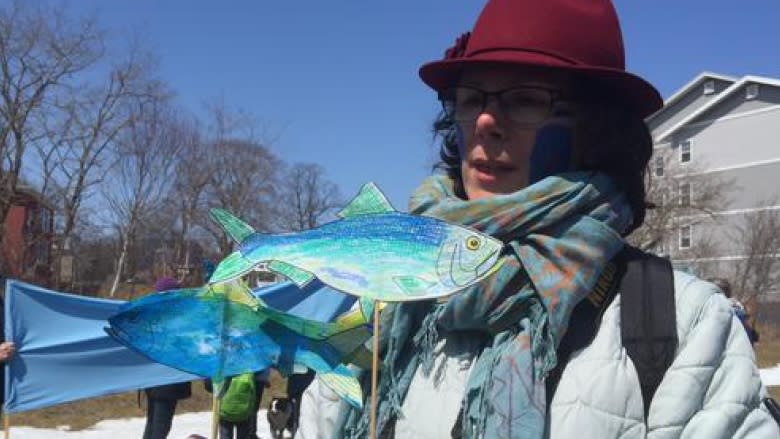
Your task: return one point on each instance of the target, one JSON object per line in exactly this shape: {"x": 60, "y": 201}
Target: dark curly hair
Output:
{"x": 609, "y": 136}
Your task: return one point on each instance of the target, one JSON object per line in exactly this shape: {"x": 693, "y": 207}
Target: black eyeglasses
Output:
{"x": 522, "y": 105}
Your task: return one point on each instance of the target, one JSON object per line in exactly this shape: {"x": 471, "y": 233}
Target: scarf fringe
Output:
{"x": 425, "y": 340}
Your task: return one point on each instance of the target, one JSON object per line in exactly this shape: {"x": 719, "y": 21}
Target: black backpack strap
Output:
{"x": 648, "y": 321}
{"x": 584, "y": 322}
{"x": 773, "y": 408}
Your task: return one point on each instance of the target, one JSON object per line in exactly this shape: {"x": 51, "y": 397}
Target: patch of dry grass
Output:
{"x": 84, "y": 414}
{"x": 768, "y": 351}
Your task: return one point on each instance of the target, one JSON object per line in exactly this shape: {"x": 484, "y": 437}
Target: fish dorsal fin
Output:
{"x": 370, "y": 200}
{"x": 297, "y": 275}
{"x": 232, "y": 225}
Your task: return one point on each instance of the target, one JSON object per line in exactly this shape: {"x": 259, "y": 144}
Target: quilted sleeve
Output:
{"x": 712, "y": 389}
{"x": 320, "y": 410}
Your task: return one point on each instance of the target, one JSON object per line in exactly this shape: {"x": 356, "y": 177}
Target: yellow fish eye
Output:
{"x": 472, "y": 243}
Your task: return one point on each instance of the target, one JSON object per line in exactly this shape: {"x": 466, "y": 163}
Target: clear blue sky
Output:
{"x": 338, "y": 79}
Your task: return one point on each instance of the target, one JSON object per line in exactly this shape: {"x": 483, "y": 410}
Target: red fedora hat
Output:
{"x": 578, "y": 36}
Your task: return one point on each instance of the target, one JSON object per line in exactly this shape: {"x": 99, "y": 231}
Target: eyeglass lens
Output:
{"x": 522, "y": 104}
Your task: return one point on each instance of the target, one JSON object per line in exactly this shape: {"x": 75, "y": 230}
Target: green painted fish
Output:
{"x": 373, "y": 252}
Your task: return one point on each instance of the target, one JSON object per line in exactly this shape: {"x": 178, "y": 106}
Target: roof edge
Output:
{"x": 682, "y": 91}
{"x": 718, "y": 99}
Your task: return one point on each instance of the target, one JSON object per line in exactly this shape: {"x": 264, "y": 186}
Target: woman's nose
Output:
{"x": 489, "y": 121}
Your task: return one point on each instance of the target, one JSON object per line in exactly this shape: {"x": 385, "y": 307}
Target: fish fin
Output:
{"x": 362, "y": 358}
{"x": 233, "y": 266}
{"x": 236, "y": 291}
{"x": 355, "y": 330}
{"x": 232, "y": 225}
{"x": 367, "y": 308}
{"x": 369, "y": 200}
{"x": 349, "y": 340}
{"x": 343, "y": 382}
{"x": 413, "y": 285}
{"x": 354, "y": 318}
{"x": 297, "y": 275}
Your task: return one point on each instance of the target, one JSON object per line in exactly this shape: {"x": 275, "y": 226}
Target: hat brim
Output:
{"x": 635, "y": 91}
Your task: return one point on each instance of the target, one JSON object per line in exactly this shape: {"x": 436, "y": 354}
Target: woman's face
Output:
{"x": 496, "y": 148}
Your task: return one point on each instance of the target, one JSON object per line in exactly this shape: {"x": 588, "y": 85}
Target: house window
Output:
{"x": 685, "y": 237}
{"x": 30, "y": 220}
{"x": 709, "y": 87}
{"x": 685, "y": 151}
{"x": 45, "y": 220}
{"x": 659, "y": 166}
{"x": 42, "y": 253}
{"x": 751, "y": 91}
{"x": 685, "y": 194}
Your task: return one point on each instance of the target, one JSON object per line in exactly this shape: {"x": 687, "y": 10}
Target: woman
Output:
{"x": 544, "y": 147}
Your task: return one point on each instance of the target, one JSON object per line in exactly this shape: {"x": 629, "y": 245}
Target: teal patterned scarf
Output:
{"x": 560, "y": 233}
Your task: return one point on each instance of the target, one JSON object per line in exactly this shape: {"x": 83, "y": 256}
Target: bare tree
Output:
{"x": 305, "y": 197}
{"x": 757, "y": 239}
{"x": 244, "y": 182}
{"x": 243, "y": 172}
{"x": 193, "y": 174}
{"x": 40, "y": 52}
{"x": 142, "y": 176}
{"x": 93, "y": 118}
{"x": 682, "y": 195}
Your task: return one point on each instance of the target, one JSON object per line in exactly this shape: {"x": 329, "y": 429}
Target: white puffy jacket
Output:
{"x": 712, "y": 389}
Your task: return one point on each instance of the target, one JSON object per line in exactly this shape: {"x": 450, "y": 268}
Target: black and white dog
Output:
{"x": 279, "y": 413}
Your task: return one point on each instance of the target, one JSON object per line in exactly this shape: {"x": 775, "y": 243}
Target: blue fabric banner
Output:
{"x": 63, "y": 353}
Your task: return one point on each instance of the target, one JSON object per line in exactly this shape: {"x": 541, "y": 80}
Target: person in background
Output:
{"x": 739, "y": 309}
{"x": 296, "y": 385}
{"x": 262, "y": 381}
{"x": 161, "y": 401}
{"x": 544, "y": 146}
{"x": 7, "y": 350}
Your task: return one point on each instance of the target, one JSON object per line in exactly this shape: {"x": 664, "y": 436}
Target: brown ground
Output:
{"x": 84, "y": 414}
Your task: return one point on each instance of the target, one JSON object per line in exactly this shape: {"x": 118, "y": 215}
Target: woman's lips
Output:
{"x": 491, "y": 171}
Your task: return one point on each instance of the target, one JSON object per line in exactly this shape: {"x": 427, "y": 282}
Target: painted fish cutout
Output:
{"x": 217, "y": 334}
{"x": 373, "y": 252}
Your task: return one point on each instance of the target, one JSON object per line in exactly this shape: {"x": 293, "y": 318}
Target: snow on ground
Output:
{"x": 184, "y": 425}
{"x": 770, "y": 376}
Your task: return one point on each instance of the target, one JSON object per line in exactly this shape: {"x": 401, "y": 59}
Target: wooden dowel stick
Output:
{"x": 374, "y": 372}
{"x": 215, "y": 414}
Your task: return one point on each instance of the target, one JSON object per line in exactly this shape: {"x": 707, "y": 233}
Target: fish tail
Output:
{"x": 232, "y": 267}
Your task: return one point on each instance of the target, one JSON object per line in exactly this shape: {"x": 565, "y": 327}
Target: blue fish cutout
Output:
{"x": 373, "y": 252}
{"x": 221, "y": 334}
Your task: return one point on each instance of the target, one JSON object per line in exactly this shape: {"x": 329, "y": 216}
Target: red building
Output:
{"x": 27, "y": 244}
